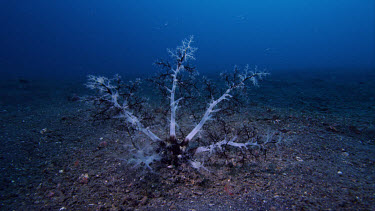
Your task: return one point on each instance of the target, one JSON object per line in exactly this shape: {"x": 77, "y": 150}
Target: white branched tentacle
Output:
{"x": 114, "y": 99}
{"x": 218, "y": 145}
{"x": 182, "y": 54}
{"x": 207, "y": 114}
{"x": 110, "y": 94}
{"x": 139, "y": 126}
{"x": 173, "y": 102}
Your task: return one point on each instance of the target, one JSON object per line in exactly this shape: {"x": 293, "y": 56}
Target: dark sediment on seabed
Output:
{"x": 53, "y": 157}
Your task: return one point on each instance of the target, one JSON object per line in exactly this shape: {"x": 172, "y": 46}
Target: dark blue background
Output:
{"x": 73, "y": 38}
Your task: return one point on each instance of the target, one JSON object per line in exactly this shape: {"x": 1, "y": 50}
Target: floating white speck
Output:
{"x": 299, "y": 159}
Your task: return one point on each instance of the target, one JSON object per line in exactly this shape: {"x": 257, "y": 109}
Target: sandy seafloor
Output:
{"x": 52, "y": 157}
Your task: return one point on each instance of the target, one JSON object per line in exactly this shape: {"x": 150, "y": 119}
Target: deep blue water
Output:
{"x": 73, "y": 38}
